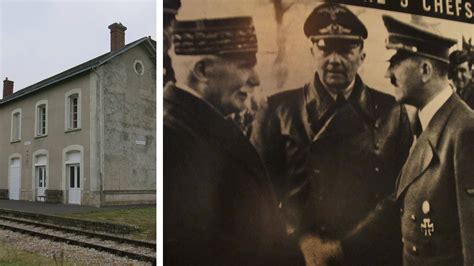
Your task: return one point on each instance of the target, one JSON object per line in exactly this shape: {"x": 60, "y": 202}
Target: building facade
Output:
{"x": 87, "y": 135}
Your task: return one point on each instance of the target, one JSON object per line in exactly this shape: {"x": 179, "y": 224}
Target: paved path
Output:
{"x": 56, "y": 208}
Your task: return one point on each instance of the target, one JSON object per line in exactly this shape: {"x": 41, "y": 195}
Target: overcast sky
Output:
{"x": 39, "y": 39}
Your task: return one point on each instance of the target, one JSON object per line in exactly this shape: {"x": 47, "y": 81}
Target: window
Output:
{"x": 138, "y": 67}
{"x": 73, "y": 110}
{"x": 41, "y": 119}
{"x": 40, "y": 174}
{"x": 16, "y": 125}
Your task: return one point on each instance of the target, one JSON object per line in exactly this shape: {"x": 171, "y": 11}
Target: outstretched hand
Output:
{"x": 318, "y": 252}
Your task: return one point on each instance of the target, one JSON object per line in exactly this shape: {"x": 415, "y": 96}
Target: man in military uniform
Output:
{"x": 461, "y": 74}
{"x": 170, "y": 9}
{"x": 219, "y": 205}
{"x": 333, "y": 147}
{"x": 434, "y": 199}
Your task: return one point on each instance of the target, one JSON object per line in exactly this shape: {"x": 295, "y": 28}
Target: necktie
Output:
{"x": 417, "y": 129}
{"x": 340, "y": 100}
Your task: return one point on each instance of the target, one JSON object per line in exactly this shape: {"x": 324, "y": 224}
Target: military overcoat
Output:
{"x": 331, "y": 169}
{"x": 434, "y": 199}
{"x": 468, "y": 95}
{"x": 219, "y": 205}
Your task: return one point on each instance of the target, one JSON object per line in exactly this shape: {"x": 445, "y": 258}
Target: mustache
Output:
{"x": 393, "y": 80}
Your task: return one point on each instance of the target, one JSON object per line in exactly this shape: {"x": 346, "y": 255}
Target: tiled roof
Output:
{"x": 86, "y": 66}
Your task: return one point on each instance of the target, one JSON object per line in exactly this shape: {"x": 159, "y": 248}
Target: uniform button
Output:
{"x": 413, "y": 217}
{"x": 403, "y": 240}
{"x": 401, "y": 210}
{"x": 376, "y": 107}
{"x": 376, "y": 145}
{"x": 377, "y": 124}
{"x": 377, "y": 169}
{"x": 280, "y": 205}
{"x": 414, "y": 249}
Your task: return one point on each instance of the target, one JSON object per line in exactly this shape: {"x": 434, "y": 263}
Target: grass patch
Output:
{"x": 12, "y": 256}
{"x": 143, "y": 218}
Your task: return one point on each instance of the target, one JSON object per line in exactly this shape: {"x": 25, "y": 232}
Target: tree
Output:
{"x": 280, "y": 66}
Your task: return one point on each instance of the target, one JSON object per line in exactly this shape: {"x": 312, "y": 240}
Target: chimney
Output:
{"x": 117, "y": 36}
{"x": 7, "y": 87}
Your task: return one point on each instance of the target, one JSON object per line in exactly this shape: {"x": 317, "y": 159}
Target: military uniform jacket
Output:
{"x": 468, "y": 95}
{"x": 219, "y": 205}
{"x": 331, "y": 170}
{"x": 434, "y": 199}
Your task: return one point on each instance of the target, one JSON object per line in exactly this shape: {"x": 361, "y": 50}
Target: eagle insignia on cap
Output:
{"x": 333, "y": 11}
{"x": 335, "y": 29}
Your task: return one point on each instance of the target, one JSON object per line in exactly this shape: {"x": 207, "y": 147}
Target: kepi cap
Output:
{"x": 171, "y": 6}
{"x": 331, "y": 20}
{"x": 417, "y": 40}
{"x": 215, "y": 36}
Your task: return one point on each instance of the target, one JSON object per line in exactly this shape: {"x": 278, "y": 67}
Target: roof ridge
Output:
{"x": 73, "y": 71}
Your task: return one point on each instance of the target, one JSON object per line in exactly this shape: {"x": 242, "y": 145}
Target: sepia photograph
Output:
{"x": 301, "y": 132}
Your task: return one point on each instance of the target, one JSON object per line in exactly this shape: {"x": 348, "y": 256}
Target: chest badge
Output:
{"x": 427, "y": 227}
{"x": 425, "y": 207}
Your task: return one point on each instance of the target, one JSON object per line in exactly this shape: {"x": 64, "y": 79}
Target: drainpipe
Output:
{"x": 101, "y": 138}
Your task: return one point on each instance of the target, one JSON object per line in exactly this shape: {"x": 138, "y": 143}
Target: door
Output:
{"x": 14, "y": 180}
{"x": 74, "y": 186}
{"x": 40, "y": 183}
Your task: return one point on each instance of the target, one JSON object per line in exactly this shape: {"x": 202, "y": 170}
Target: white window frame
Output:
{"x": 37, "y": 125}
{"x": 13, "y": 137}
{"x": 67, "y": 111}
{"x": 135, "y": 69}
{"x": 34, "y": 182}
{"x": 65, "y": 163}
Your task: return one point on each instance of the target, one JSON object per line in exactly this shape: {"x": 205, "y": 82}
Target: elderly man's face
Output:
{"x": 230, "y": 81}
{"x": 461, "y": 75}
{"x": 404, "y": 74}
{"x": 337, "y": 61}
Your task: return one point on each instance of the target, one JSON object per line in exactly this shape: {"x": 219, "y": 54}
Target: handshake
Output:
{"x": 318, "y": 252}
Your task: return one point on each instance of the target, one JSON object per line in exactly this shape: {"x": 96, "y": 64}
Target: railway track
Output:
{"x": 133, "y": 249}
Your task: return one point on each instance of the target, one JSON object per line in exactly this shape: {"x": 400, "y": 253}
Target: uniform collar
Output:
{"x": 427, "y": 113}
{"x": 347, "y": 91}
{"x": 319, "y": 99}
{"x": 186, "y": 88}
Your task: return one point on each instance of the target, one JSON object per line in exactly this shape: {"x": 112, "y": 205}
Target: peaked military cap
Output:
{"x": 458, "y": 57}
{"x": 331, "y": 20}
{"x": 215, "y": 36}
{"x": 416, "y": 40}
{"x": 171, "y": 6}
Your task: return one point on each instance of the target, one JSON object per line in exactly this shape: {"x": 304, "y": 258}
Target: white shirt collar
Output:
{"x": 427, "y": 113}
{"x": 347, "y": 91}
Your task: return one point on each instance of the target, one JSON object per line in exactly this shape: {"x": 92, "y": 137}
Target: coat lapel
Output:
{"x": 417, "y": 163}
{"x": 425, "y": 152}
{"x": 345, "y": 121}
{"x": 224, "y": 133}
{"x": 350, "y": 118}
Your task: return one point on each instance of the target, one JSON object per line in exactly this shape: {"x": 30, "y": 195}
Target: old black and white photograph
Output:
{"x": 301, "y": 132}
